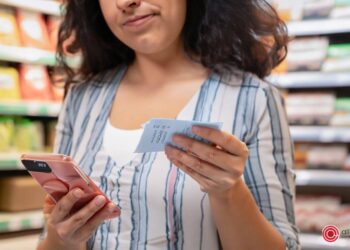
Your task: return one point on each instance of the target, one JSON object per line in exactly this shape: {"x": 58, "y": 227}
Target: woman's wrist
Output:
{"x": 52, "y": 244}
{"x": 238, "y": 194}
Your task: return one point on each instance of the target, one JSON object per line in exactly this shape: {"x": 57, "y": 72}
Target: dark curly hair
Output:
{"x": 223, "y": 34}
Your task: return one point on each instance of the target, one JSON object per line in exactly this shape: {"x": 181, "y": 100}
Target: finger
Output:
{"x": 208, "y": 153}
{"x": 65, "y": 204}
{"x": 49, "y": 200}
{"x": 78, "y": 219}
{"x": 225, "y": 140}
{"x": 49, "y": 205}
{"x": 203, "y": 181}
{"x": 108, "y": 212}
{"x": 206, "y": 169}
{"x": 47, "y": 209}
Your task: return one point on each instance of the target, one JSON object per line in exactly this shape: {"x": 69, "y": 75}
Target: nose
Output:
{"x": 128, "y": 5}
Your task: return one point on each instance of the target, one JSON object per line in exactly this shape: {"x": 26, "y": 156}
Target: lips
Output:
{"x": 135, "y": 20}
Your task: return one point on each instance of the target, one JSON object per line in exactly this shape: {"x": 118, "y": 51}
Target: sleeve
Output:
{"x": 64, "y": 127}
{"x": 269, "y": 174}
{"x": 63, "y": 136}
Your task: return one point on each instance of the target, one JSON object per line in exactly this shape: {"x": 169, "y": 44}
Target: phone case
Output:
{"x": 58, "y": 174}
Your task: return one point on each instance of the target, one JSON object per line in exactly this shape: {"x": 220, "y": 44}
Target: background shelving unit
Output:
{"x": 10, "y": 161}
{"x": 27, "y": 55}
{"x": 26, "y": 241}
{"x": 42, "y": 6}
{"x": 319, "y": 181}
{"x": 316, "y": 242}
{"x": 300, "y": 80}
{"x": 328, "y": 178}
{"x": 20, "y": 230}
{"x": 32, "y": 56}
{"x": 30, "y": 108}
{"x": 10, "y": 222}
{"x": 28, "y": 224}
{"x": 320, "y": 134}
{"x": 319, "y": 27}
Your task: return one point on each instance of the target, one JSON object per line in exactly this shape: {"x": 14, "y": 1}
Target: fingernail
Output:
{"x": 100, "y": 200}
{"x": 196, "y": 129}
{"x": 113, "y": 210}
{"x": 78, "y": 193}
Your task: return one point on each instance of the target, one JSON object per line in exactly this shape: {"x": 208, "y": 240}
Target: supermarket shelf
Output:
{"x": 30, "y": 108}
{"x": 329, "y": 178}
{"x": 320, "y": 134}
{"x": 43, "y": 6}
{"x": 319, "y": 27}
{"x": 27, "y": 55}
{"x": 316, "y": 242}
{"x": 10, "y": 161}
{"x": 310, "y": 80}
{"x": 28, "y": 242}
{"x": 12, "y": 222}
{"x": 32, "y": 56}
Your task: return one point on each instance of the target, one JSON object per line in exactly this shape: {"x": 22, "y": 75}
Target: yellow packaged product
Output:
{"x": 9, "y": 34}
{"x": 9, "y": 84}
{"x": 6, "y": 134}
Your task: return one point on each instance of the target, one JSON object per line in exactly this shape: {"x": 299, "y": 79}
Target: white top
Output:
{"x": 120, "y": 144}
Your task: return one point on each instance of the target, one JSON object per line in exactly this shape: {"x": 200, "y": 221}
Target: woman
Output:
{"x": 189, "y": 60}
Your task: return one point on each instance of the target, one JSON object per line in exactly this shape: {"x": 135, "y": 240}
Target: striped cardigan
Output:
{"x": 162, "y": 208}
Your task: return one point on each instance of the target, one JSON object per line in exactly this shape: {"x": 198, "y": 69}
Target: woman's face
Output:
{"x": 146, "y": 26}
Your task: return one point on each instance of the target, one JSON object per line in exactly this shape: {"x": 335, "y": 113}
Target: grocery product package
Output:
{"x": 318, "y": 156}
{"x": 315, "y": 9}
{"x": 310, "y": 108}
{"x": 330, "y": 157}
{"x": 20, "y": 194}
{"x": 288, "y": 10}
{"x": 338, "y": 58}
{"x": 33, "y": 30}
{"x": 29, "y": 136}
{"x": 341, "y": 9}
{"x": 50, "y": 135}
{"x": 307, "y": 54}
{"x": 53, "y": 26}
{"x": 313, "y": 213}
{"x": 7, "y": 128}
{"x": 9, "y": 34}
{"x": 341, "y": 116}
{"x": 9, "y": 84}
{"x": 35, "y": 83}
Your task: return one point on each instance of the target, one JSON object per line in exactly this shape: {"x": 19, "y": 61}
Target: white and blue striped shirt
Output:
{"x": 162, "y": 208}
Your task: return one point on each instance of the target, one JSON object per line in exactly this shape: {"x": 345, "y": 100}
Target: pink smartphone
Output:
{"x": 58, "y": 174}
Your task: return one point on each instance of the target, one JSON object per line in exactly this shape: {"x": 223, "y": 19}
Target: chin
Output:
{"x": 150, "y": 44}
{"x": 148, "y": 48}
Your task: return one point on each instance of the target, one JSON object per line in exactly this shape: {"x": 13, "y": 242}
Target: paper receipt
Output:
{"x": 158, "y": 133}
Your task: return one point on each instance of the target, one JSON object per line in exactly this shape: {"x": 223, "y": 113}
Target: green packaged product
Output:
{"x": 28, "y": 136}
{"x": 342, "y": 104}
{"x": 339, "y": 50}
{"x": 342, "y": 2}
{"x": 6, "y": 134}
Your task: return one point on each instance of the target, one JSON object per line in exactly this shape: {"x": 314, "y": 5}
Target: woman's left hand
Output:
{"x": 216, "y": 168}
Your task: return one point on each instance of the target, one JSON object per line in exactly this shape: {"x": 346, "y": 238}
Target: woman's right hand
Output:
{"x": 65, "y": 231}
